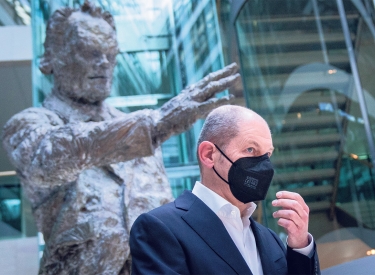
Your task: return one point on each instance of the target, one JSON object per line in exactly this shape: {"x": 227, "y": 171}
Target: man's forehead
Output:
{"x": 255, "y": 126}
{"x": 253, "y": 120}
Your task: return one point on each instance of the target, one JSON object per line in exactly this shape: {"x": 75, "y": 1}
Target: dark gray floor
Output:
{"x": 362, "y": 266}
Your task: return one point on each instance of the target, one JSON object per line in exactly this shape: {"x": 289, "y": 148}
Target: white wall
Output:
{"x": 15, "y": 44}
{"x": 15, "y": 77}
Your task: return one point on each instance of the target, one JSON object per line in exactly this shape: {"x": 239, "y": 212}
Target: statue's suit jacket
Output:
{"x": 187, "y": 237}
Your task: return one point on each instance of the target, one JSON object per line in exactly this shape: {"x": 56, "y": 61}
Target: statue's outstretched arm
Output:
{"x": 194, "y": 102}
{"x": 45, "y": 150}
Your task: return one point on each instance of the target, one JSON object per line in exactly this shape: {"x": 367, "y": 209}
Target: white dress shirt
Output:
{"x": 238, "y": 228}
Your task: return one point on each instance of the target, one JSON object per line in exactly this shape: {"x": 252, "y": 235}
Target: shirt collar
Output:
{"x": 215, "y": 202}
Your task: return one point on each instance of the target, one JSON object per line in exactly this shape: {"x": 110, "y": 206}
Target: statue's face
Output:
{"x": 83, "y": 69}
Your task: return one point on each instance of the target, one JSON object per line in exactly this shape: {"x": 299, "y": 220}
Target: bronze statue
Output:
{"x": 88, "y": 169}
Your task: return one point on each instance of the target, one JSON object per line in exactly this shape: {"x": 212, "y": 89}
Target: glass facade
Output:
{"x": 10, "y": 207}
{"x": 307, "y": 68}
{"x": 164, "y": 47}
{"x": 298, "y": 73}
{"x": 16, "y": 220}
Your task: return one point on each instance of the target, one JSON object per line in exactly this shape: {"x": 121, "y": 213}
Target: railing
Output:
{"x": 10, "y": 205}
{"x": 15, "y": 12}
{"x": 356, "y": 195}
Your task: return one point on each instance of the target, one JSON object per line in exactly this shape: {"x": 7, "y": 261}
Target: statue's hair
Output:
{"x": 221, "y": 125}
{"x": 57, "y": 26}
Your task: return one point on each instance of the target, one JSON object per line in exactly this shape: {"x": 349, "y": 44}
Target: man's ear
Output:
{"x": 205, "y": 153}
{"x": 45, "y": 65}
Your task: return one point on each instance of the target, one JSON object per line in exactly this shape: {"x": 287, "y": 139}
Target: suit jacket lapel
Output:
{"x": 267, "y": 252}
{"x": 211, "y": 229}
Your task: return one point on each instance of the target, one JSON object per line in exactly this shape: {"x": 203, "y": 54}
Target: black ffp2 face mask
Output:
{"x": 249, "y": 178}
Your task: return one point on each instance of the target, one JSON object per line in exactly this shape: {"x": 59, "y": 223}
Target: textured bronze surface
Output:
{"x": 88, "y": 169}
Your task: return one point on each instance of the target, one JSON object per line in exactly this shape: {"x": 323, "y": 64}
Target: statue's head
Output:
{"x": 80, "y": 51}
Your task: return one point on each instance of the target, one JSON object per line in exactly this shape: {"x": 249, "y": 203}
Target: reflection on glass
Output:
{"x": 297, "y": 75}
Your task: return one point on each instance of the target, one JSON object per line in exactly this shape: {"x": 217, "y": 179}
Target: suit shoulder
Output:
{"x": 168, "y": 214}
{"x": 162, "y": 210}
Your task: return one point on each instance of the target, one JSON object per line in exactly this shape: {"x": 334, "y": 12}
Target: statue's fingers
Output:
{"x": 214, "y": 76}
{"x": 209, "y": 105}
{"x": 214, "y": 87}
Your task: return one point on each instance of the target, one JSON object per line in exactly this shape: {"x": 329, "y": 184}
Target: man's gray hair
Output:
{"x": 221, "y": 126}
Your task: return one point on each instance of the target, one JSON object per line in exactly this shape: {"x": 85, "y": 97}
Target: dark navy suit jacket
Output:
{"x": 187, "y": 237}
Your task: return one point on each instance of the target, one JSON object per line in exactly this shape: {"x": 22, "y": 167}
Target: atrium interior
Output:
{"x": 307, "y": 68}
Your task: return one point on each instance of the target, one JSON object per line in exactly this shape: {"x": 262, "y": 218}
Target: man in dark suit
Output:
{"x": 210, "y": 230}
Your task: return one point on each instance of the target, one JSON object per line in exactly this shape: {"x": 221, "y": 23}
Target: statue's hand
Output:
{"x": 194, "y": 102}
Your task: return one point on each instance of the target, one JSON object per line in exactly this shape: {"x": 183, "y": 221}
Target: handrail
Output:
{"x": 298, "y": 18}
{"x": 364, "y": 162}
{"x": 7, "y": 173}
{"x": 235, "y": 9}
{"x": 352, "y": 157}
{"x": 357, "y": 80}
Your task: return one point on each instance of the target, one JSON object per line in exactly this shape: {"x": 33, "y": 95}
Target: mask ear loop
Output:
{"x": 223, "y": 153}
{"x": 213, "y": 167}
